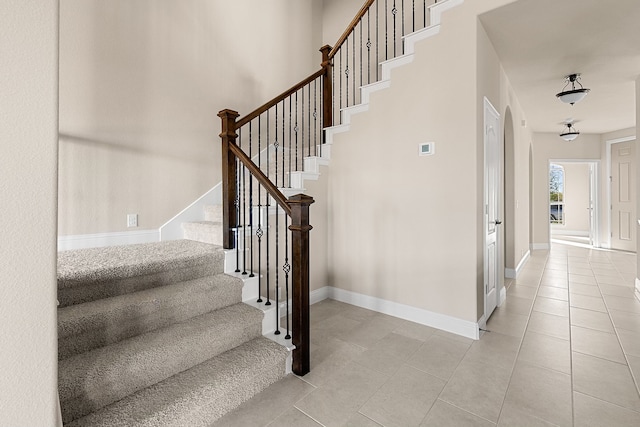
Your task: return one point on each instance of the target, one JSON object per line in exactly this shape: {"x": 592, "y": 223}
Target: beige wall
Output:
{"x": 140, "y": 86}
{"x": 549, "y": 146}
{"x": 28, "y": 135}
{"x": 514, "y": 239}
{"x": 336, "y": 15}
{"x": 576, "y": 199}
{"x": 406, "y": 228}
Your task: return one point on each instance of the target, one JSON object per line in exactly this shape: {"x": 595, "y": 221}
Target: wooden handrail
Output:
{"x": 262, "y": 178}
{"x": 255, "y": 113}
{"x": 350, "y": 28}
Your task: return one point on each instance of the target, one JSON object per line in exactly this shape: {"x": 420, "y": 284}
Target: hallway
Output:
{"x": 562, "y": 350}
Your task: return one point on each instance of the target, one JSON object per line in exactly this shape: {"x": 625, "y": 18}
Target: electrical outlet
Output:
{"x": 132, "y": 220}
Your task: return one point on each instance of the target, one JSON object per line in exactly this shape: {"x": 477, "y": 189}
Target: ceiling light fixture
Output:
{"x": 570, "y": 133}
{"x": 574, "y": 95}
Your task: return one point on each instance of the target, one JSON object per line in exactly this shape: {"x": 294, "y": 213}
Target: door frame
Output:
{"x": 499, "y": 267}
{"x": 594, "y": 187}
{"x": 609, "y": 147}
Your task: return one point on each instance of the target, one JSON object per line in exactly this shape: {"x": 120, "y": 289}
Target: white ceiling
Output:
{"x": 541, "y": 41}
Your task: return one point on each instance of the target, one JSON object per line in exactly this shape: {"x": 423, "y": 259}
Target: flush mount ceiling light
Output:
{"x": 574, "y": 95}
{"x": 570, "y": 133}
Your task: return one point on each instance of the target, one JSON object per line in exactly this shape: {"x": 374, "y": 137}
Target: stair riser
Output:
{"x": 152, "y": 313}
{"x": 95, "y": 379}
{"x": 94, "y": 290}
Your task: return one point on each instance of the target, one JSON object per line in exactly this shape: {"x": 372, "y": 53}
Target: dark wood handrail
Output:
{"x": 350, "y": 28}
{"x": 255, "y": 113}
{"x": 261, "y": 177}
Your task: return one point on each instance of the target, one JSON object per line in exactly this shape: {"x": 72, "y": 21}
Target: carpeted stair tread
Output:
{"x": 200, "y": 395}
{"x": 90, "y": 274}
{"x": 91, "y": 380}
{"x": 83, "y": 327}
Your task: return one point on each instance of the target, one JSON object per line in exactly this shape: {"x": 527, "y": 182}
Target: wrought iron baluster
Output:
{"x": 394, "y": 12}
{"x": 361, "y": 81}
{"x": 413, "y": 16}
{"x": 286, "y": 268}
{"x": 290, "y": 145}
{"x": 259, "y": 231}
{"x": 237, "y": 203}
{"x": 315, "y": 116}
{"x": 369, "y": 46}
{"x": 403, "y": 33}
{"x": 284, "y": 140}
{"x": 340, "y": 90}
{"x": 302, "y": 120}
{"x": 377, "y": 43}
{"x": 346, "y": 71}
{"x": 424, "y": 13}
{"x": 268, "y": 197}
{"x": 277, "y": 271}
{"x": 354, "y": 68}
{"x": 386, "y": 30}
{"x": 295, "y": 131}
{"x": 251, "y": 207}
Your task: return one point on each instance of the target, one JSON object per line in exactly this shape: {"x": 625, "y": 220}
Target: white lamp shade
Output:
{"x": 572, "y": 96}
{"x": 569, "y": 136}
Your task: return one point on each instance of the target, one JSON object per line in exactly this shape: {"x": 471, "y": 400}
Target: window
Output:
{"x": 556, "y": 194}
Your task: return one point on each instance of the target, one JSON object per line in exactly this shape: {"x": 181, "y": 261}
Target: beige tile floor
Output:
{"x": 564, "y": 349}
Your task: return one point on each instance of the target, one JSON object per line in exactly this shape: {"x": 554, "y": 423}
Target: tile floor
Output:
{"x": 564, "y": 349}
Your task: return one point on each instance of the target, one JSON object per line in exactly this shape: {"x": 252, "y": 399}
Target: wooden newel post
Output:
{"x": 300, "y": 281}
{"x": 327, "y": 91}
{"x": 229, "y": 177}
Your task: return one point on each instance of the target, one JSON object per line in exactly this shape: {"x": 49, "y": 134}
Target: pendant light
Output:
{"x": 570, "y": 133}
{"x": 574, "y": 95}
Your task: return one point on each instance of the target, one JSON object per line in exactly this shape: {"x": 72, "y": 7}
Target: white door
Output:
{"x": 492, "y": 206}
{"x": 623, "y": 196}
{"x": 593, "y": 185}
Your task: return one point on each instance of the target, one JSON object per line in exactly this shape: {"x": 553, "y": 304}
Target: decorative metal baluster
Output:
{"x": 361, "y": 80}
{"x": 244, "y": 220}
{"x": 302, "y": 120}
{"x": 259, "y": 231}
{"x": 346, "y": 71}
{"x": 295, "y": 130}
{"x": 237, "y": 203}
{"x": 369, "y": 46}
{"x": 424, "y": 13}
{"x": 308, "y": 120}
{"x": 386, "y": 30}
{"x": 284, "y": 139}
{"x": 353, "y": 38}
{"x": 394, "y": 11}
{"x": 277, "y": 271}
{"x": 251, "y": 207}
{"x": 286, "y": 268}
{"x": 377, "y": 43}
{"x": 340, "y": 91}
{"x": 315, "y": 117}
{"x": 403, "y": 34}
{"x": 413, "y": 16}
{"x": 268, "y": 198}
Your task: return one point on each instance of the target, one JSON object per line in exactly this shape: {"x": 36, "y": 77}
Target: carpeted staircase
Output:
{"x": 157, "y": 335}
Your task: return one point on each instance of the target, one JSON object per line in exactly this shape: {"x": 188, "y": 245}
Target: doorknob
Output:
{"x": 497, "y": 222}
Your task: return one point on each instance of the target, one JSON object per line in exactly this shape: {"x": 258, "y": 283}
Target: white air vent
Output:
{"x": 426, "y": 148}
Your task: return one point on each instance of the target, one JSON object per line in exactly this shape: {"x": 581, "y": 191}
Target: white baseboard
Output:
{"x": 540, "y": 246}
{"x": 319, "y": 295}
{"x": 511, "y": 273}
{"x": 562, "y": 232}
{"x": 83, "y": 241}
{"x": 638, "y": 288}
{"x": 454, "y": 325}
{"x": 503, "y": 296}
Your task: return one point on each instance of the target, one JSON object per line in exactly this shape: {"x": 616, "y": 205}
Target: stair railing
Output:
{"x": 374, "y": 35}
{"x": 262, "y": 151}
